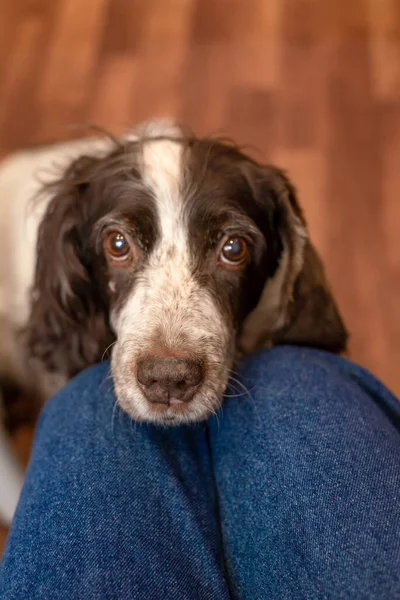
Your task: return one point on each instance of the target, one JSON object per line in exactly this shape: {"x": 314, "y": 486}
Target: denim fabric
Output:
{"x": 292, "y": 491}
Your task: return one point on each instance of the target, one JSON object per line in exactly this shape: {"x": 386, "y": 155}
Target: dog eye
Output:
{"x": 117, "y": 246}
{"x": 234, "y": 251}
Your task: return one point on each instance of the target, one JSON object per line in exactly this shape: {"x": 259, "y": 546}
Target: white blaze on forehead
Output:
{"x": 162, "y": 172}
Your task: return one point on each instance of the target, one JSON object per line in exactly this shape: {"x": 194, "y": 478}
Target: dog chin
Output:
{"x": 170, "y": 419}
{"x": 139, "y": 409}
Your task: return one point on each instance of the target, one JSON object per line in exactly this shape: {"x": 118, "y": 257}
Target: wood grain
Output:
{"x": 313, "y": 86}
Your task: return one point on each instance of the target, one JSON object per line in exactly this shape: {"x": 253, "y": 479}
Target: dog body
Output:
{"x": 179, "y": 253}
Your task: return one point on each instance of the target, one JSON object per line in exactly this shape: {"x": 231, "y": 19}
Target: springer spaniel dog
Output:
{"x": 180, "y": 254}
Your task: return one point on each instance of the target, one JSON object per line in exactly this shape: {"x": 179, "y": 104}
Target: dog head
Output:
{"x": 182, "y": 254}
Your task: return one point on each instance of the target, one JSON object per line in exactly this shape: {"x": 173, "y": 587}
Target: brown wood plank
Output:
{"x": 67, "y": 75}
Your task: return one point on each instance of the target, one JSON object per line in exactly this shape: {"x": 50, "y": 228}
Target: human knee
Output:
{"x": 288, "y": 375}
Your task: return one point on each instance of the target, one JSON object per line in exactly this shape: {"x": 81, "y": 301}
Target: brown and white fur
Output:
{"x": 175, "y": 302}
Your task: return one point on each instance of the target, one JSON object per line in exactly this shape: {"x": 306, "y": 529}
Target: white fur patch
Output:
{"x": 162, "y": 171}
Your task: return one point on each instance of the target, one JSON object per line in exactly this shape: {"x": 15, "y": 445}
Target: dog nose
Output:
{"x": 169, "y": 380}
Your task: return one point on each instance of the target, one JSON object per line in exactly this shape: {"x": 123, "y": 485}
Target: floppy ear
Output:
{"x": 296, "y": 305}
{"x": 68, "y": 328}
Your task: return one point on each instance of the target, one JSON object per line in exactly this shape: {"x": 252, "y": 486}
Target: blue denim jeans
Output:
{"x": 293, "y": 491}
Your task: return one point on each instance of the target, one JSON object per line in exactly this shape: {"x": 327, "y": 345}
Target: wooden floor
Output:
{"x": 311, "y": 85}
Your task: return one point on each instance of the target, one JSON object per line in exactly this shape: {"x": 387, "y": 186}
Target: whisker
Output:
{"x": 106, "y": 350}
{"x": 219, "y": 414}
{"x": 246, "y": 392}
{"x": 236, "y": 395}
{"x": 134, "y": 424}
{"x": 107, "y": 377}
{"x": 115, "y": 407}
{"x": 239, "y": 383}
{"x": 238, "y": 374}
{"x": 236, "y": 392}
{"x": 210, "y": 407}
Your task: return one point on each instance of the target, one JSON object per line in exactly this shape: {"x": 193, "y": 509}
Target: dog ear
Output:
{"x": 296, "y": 305}
{"x": 68, "y": 327}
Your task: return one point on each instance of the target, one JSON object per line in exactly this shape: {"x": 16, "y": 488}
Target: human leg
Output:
{"x": 307, "y": 468}
{"x": 113, "y": 509}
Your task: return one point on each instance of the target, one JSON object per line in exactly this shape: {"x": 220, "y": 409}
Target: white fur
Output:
{"x": 161, "y": 171}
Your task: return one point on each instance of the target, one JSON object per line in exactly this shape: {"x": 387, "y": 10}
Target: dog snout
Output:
{"x": 169, "y": 380}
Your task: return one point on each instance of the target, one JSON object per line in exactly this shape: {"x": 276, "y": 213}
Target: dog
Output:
{"x": 178, "y": 253}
